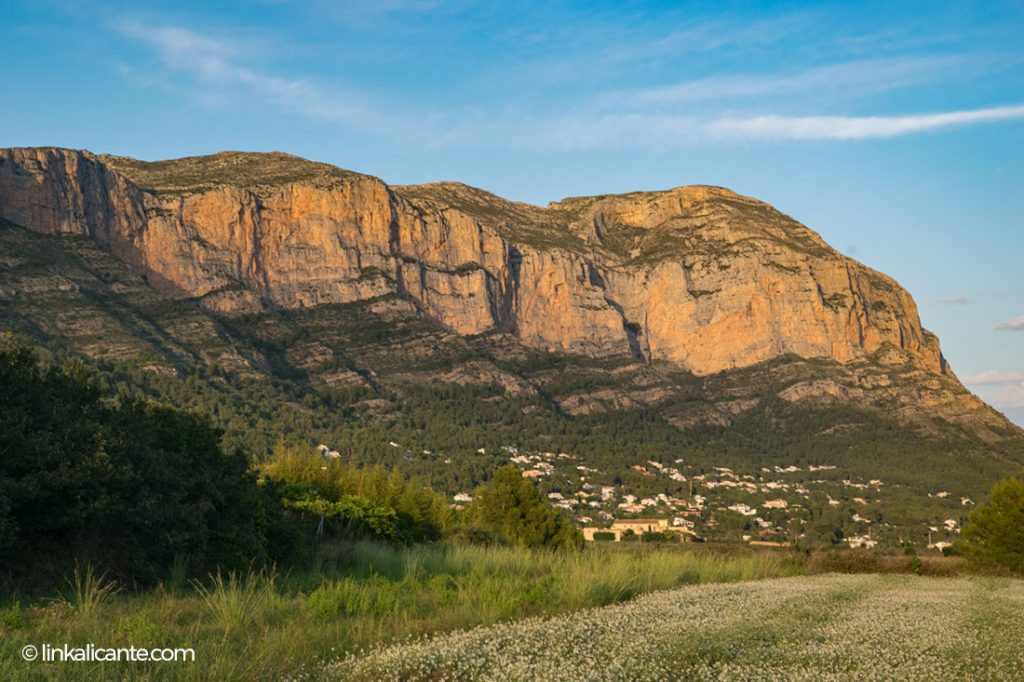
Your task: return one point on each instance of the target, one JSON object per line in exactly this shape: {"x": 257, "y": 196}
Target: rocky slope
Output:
{"x": 694, "y": 279}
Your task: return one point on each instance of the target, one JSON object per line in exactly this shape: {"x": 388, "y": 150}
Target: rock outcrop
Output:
{"x": 697, "y": 276}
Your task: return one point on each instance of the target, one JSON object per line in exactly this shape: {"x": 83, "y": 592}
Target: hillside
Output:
{"x": 289, "y": 298}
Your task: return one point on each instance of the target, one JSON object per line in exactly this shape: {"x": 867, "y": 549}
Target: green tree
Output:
{"x": 512, "y": 507}
{"x": 129, "y": 486}
{"x": 994, "y": 534}
{"x": 356, "y": 501}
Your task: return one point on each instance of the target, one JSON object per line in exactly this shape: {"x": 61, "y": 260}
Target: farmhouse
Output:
{"x": 638, "y": 527}
{"x": 641, "y": 526}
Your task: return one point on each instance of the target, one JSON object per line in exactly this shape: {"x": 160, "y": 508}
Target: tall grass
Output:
{"x": 260, "y": 625}
{"x": 236, "y": 599}
{"x": 89, "y": 590}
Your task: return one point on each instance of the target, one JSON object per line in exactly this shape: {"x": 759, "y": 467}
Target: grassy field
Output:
{"x": 299, "y": 625}
{"x": 824, "y": 627}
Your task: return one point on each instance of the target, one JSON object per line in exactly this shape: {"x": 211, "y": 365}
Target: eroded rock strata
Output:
{"x": 698, "y": 276}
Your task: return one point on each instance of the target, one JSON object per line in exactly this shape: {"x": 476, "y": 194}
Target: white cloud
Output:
{"x": 1014, "y": 325}
{"x": 1001, "y": 389}
{"x": 994, "y": 377}
{"x": 663, "y": 131}
{"x": 854, "y": 127}
{"x": 865, "y": 76}
{"x": 954, "y": 300}
{"x": 1003, "y": 396}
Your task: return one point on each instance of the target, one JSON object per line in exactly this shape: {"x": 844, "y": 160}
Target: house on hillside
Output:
{"x": 861, "y": 541}
{"x": 741, "y": 508}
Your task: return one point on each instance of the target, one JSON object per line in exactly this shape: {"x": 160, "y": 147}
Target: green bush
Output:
{"x": 604, "y": 536}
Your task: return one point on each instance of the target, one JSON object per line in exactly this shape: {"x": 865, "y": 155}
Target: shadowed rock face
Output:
{"x": 698, "y": 276}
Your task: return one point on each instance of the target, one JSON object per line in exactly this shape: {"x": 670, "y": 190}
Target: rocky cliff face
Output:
{"x": 697, "y": 276}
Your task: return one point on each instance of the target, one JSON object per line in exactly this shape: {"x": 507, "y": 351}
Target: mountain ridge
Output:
{"x": 698, "y": 277}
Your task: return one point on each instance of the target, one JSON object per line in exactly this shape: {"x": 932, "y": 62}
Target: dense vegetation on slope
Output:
{"x": 142, "y": 489}
{"x": 132, "y": 485}
{"x": 458, "y": 420}
{"x": 359, "y": 377}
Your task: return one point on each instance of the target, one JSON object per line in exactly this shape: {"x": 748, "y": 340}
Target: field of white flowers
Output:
{"x": 831, "y": 627}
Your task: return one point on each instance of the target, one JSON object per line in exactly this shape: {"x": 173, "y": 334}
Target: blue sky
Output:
{"x": 896, "y": 130}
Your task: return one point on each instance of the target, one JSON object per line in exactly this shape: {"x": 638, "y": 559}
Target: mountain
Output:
{"x": 696, "y": 278}
{"x": 288, "y": 297}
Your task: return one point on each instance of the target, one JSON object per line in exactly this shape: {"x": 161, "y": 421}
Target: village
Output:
{"x": 777, "y": 506}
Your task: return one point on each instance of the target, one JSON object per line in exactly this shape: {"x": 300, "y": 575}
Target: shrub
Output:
{"x": 603, "y": 536}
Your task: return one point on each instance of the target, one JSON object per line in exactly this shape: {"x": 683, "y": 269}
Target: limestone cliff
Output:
{"x": 697, "y": 276}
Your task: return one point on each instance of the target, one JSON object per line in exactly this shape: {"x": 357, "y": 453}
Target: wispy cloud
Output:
{"x": 216, "y": 63}
{"x": 1014, "y": 325}
{"x": 1001, "y": 389}
{"x": 994, "y": 377}
{"x": 866, "y": 76}
{"x": 709, "y": 36}
{"x": 669, "y": 131}
{"x": 954, "y": 300}
{"x": 855, "y": 127}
